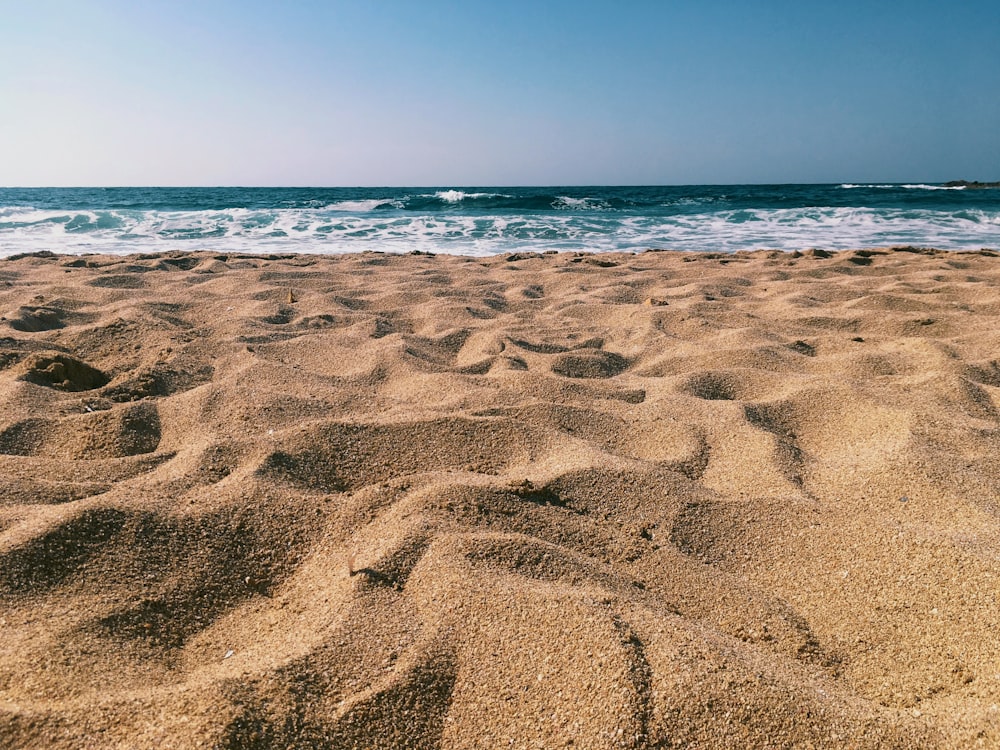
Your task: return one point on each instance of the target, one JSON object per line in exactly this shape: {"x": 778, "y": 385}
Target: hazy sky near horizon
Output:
{"x": 428, "y": 92}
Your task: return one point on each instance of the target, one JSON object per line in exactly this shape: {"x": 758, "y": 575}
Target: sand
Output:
{"x": 380, "y": 501}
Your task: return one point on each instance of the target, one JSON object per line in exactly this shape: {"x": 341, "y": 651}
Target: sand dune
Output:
{"x": 378, "y": 501}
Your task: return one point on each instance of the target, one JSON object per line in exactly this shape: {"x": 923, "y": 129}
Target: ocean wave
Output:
{"x": 580, "y": 204}
{"x": 326, "y": 230}
{"x": 12, "y": 216}
{"x": 456, "y": 196}
{"x": 363, "y": 206}
{"x": 916, "y": 186}
{"x": 449, "y": 200}
{"x": 933, "y": 187}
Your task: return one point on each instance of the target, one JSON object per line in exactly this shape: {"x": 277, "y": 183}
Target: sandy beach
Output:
{"x": 531, "y": 501}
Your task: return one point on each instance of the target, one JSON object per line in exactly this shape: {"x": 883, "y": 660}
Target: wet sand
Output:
{"x": 380, "y": 501}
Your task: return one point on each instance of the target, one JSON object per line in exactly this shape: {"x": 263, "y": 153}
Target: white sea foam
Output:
{"x": 363, "y": 206}
{"x": 325, "y": 230}
{"x": 917, "y": 186}
{"x": 933, "y": 187}
{"x": 14, "y": 215}
{"x": 565, "y": 202}
{"x": 456, "y": 196}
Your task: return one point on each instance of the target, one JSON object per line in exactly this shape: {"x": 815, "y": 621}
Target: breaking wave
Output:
{"x": 487, "y": 221}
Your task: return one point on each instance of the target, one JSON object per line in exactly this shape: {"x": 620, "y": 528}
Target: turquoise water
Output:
{"x": 489, "y": 220}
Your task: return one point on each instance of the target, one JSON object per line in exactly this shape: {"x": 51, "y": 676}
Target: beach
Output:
{"x": 531, "y": 500}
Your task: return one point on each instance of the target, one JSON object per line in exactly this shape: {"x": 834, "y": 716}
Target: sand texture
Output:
{"x": 378, "y": 501}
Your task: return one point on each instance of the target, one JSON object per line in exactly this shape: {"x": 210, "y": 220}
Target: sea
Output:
{"x": 482, "y": 221}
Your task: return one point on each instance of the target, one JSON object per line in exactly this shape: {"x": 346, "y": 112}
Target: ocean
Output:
{"x": 488, "y": 220}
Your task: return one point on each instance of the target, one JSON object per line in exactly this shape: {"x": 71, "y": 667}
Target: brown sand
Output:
{"x": 378, "y": 501}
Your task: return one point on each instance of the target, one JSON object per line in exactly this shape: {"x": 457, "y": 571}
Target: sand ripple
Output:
{"x": 378, "y": 501}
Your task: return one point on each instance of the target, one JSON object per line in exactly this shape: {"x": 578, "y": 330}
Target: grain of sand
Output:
{"x": 379, "y": 501}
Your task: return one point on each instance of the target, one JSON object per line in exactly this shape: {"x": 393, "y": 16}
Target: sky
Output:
{"x": 546, "y": 92}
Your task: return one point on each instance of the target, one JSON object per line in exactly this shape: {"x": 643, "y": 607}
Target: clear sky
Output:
{"x": 540, "y": 92}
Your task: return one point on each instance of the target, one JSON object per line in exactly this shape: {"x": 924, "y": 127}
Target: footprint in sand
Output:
{"x": 62, "y": 372}
{"x": 594, "y": 363}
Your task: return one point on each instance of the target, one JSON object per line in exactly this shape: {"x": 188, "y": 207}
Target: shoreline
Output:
{"x": 772, "y": 253}
{"x": 479, "y": 222}
{"x": 385, "y": 500}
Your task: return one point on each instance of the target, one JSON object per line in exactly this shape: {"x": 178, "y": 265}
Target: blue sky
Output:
{"x": 211, "y": 92}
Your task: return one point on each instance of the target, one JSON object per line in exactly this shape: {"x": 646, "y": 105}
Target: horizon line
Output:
{"x": 477, "y": 185}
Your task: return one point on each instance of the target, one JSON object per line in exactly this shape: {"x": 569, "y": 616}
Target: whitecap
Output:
{"x": 456, "y": 196}
{"x": 364, "y": 206}
{"x": 314, "y": 230}
{"x": 579, "y": 204}
{"x": 933, "y": 187}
